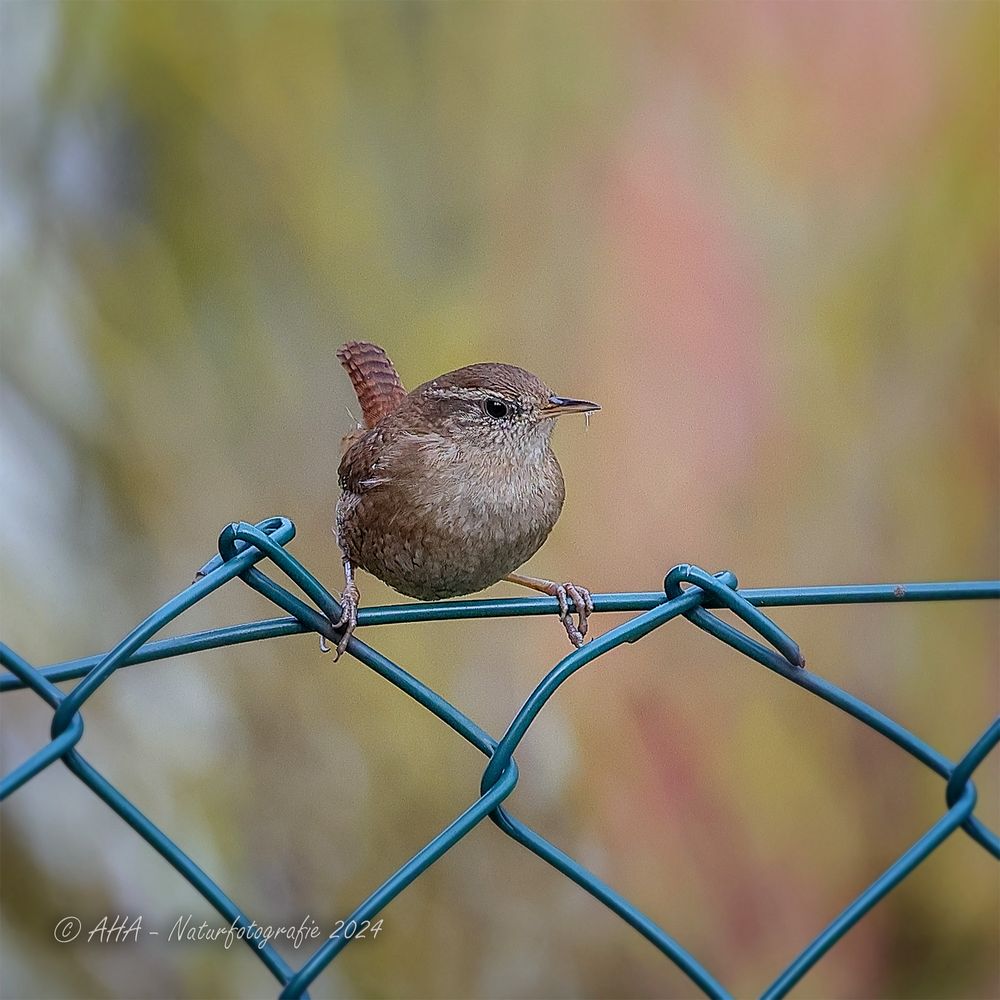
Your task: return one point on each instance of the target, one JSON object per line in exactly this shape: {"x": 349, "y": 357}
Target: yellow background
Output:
{"x": 763, "y": 236}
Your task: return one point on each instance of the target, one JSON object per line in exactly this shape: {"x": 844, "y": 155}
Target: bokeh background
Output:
{"x": 763, "y": 235}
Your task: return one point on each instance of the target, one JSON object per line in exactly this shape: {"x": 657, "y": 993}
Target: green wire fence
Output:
{"x": 242, "y": 546}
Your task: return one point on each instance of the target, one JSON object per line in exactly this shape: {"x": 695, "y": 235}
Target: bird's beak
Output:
{"x": 558, "y": 405}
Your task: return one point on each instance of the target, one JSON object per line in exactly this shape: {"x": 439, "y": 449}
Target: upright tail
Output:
{"x": 374, "y": 377}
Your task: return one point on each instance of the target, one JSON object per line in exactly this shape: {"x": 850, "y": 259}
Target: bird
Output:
{"x": 450, "y": 488}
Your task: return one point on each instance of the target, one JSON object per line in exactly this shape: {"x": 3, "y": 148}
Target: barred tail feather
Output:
{"x": 374, "y": 377}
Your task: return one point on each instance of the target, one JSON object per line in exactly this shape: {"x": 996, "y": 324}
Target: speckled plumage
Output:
{"x": 437, "y": 513}
{"x": 450, "y": 488}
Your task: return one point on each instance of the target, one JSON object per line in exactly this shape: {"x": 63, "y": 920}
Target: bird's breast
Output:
{"x": 456, "y": 523}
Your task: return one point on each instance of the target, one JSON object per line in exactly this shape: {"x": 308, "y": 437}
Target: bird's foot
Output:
{"x": 583, "y": 607}
{"x": 348, "y": 621}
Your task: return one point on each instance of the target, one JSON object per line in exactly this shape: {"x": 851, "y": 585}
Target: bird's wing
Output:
{"x": 388, "y": 454}
{"x": 376, "y": 382}
{"x": 362, "y": 466}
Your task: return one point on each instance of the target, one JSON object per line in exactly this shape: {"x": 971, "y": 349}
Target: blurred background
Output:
{"x": 763, "y": 235}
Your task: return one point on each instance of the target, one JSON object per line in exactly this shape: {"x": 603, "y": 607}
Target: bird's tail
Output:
{"x": 374, "y": 377}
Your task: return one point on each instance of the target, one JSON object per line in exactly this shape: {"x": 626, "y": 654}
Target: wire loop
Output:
{"x": 743, "y": 609}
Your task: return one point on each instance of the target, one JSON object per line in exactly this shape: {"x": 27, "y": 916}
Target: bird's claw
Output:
{"x": 583, "y": 607}
{"x": 348, "y": 621}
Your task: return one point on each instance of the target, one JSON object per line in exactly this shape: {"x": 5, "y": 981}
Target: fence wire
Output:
{"x": 242, "y": 546}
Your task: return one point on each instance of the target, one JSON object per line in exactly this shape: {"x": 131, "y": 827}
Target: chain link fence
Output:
{"x": 242, "y": 546}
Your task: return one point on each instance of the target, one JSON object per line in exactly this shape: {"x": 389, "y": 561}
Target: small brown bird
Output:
{"x": 450, "y": 488}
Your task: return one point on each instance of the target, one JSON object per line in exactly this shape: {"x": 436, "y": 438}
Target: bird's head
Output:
{"x": 493, "y": 406}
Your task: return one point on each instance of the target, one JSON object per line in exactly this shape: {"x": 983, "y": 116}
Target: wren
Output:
{"x": 449, "y": 488}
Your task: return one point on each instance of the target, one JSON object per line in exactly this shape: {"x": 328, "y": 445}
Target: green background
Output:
{"x": 763, "y": 235}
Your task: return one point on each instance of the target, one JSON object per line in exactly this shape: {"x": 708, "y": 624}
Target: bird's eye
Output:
{"x": 496, "y": 409}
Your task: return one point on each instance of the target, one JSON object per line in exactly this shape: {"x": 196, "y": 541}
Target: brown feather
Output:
{"x": 375, "y": 379}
